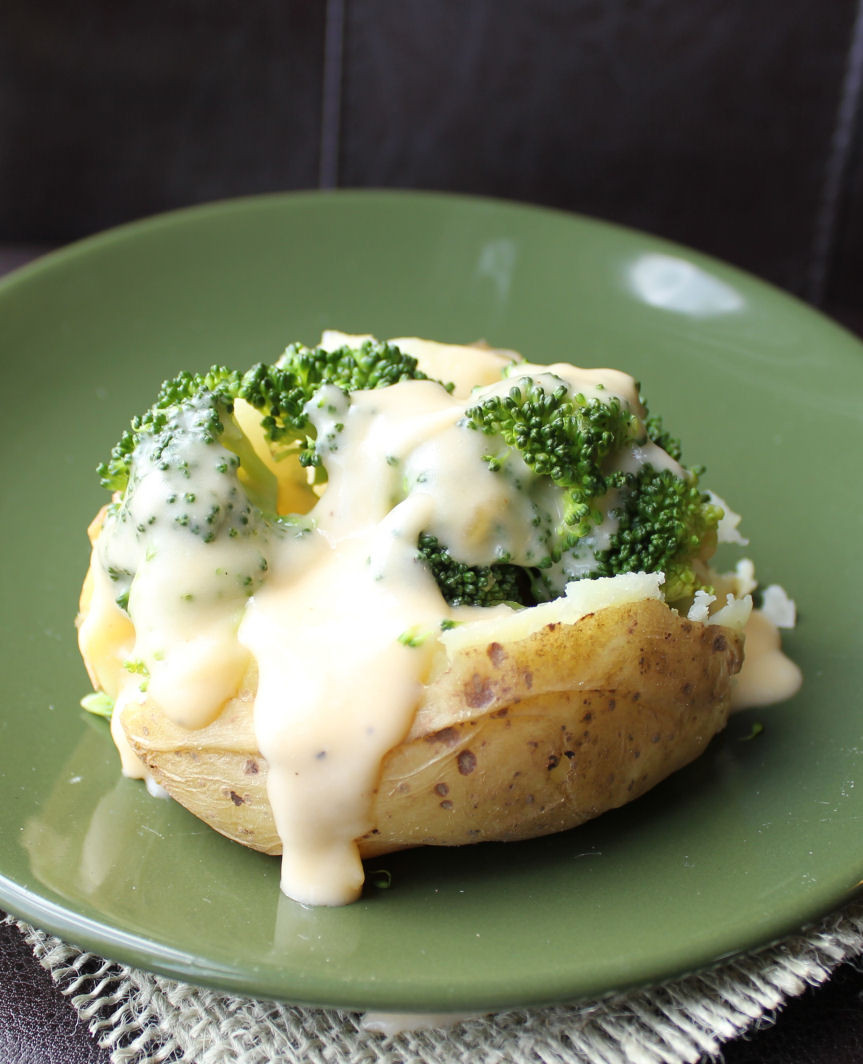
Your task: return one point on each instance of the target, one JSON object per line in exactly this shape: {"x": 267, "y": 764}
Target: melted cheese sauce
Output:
{"x": 324, "y": 636}
{"x": 767, "y": 675}
{"x": 337, "y": 688}
{"x": 326, "y": 615}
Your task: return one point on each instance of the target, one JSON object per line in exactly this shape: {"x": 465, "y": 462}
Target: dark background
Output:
{"x": 735, "y": 127}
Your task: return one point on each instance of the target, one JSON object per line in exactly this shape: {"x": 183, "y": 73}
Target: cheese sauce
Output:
{"x": 336, "y": 690}
{"x": 767, "y": 675}
{"x": 340, "y": 675}
{"x": 339, "y": 615}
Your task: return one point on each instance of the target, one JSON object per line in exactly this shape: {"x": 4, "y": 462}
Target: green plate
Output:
{"x": 758, "y": 837}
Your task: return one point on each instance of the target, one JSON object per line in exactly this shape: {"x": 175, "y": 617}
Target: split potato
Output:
{"x": 510, "y": 740}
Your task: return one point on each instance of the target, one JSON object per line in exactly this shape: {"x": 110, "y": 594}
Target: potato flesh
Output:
{"x": 508, "y": 742}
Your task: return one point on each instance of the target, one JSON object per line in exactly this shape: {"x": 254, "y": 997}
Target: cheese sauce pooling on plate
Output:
{"x": 341, "y": 608}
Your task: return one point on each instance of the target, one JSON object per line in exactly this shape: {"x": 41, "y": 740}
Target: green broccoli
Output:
{"x": 658, "y": 434}
{"x": 665, "y": 523}
{"x": 606, "y": 519}
{"x": 564, "y": 437}
{"x": 374, "y": 364}
{"x": 280, "y": 391}
{"x": 185, "y": 465}
{"x": 595, "y": 508}
{"x": 209, "y": 480}
{"x": 217, "y": 388}
{"x": 480, "y": 585}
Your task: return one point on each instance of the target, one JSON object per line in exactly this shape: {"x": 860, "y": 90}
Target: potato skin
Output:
{"x": 509, "y": 741}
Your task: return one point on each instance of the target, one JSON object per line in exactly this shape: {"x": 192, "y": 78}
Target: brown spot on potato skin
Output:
{"x": 478, "y": 691}
{"x": 720, "y": 644}
{"x": 466, "y": 762}
{"x": 552, "y": 762}
{"x": 496, "y": 654}
{"x": 446, "y": 804}
{"x": 442, "y": 789}
{"x": 237, "y": 799}
{"x": 447, "y": 736}
{"x": 251, "y": 767}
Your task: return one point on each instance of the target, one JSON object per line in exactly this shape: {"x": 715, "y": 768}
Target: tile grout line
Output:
{"x": 836, "y": 169}
{"x": 331, "y": 95}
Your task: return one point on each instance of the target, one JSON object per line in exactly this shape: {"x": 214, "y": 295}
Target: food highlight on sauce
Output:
{"x": 376, "y": 595}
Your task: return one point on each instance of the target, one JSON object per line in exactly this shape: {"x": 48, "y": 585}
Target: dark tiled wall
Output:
{"x": 844, "y": 265}
{"x": 111, "y": 110}
{"x": 734, "y": 127}
{"x": 706, "y": 122}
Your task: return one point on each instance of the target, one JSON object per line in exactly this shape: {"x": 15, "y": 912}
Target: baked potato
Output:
{"x": 368, "y": 660}
{"x": 510, "y": 741}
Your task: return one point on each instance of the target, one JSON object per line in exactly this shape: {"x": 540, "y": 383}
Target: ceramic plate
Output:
{"x": 758, "y": 837}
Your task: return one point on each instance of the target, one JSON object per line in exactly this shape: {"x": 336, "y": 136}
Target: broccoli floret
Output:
{"x": 218, "y": 387}
{"x": 281, "y": 397}
{"x": 563, "y": 436}
{"x": 282, "y": 391}
{"x": 596, "y": 508}
{"x": 479, "y": 585}
{"x": 665, "y": 524}
{"x": 202, "y": 471}
{"x": 374, "y": 364}
{"x": 659, "y": 435}
{"x": 651, "y": 520}
{"x": 188, "y": 470}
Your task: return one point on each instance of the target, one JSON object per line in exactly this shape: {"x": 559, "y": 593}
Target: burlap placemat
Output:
{"x": 146, "y": 1019}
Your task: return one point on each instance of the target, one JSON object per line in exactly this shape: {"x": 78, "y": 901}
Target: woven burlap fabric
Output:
{"x": 146, "y": 1019}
